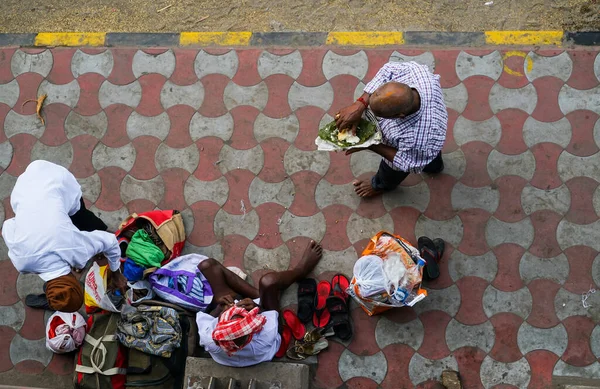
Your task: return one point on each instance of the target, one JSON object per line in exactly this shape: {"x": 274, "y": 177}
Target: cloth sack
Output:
{"x": 150, "y": 329}
{"x": 96, "y": 296}
{"x": 65, "y": 332}
{"x": 180, "y": 282}
{"x": 143, "y": 251}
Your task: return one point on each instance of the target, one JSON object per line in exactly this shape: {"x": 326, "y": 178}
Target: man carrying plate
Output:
{"x": 408, "y": 101}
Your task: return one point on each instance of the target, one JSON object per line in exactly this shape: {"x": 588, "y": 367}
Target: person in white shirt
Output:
{"x": 247, "y": 333}
{"x": 52, "y": 233}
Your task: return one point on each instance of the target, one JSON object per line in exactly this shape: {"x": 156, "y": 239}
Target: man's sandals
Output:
{"x": 431, "y": 251}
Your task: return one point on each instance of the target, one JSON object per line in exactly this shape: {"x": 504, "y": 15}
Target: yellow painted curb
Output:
{"x": 524, "y": 37}
{"x": 70, "y": 39}
{"x": 367, "y": 38}
{"x": 215, "y": 38}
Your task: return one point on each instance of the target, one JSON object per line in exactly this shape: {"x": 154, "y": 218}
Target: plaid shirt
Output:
{"x": 418, "y": 137}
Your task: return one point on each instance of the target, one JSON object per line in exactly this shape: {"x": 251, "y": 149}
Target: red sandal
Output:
{"x": 294, "y": 324}
{"x": 321, "y": 316}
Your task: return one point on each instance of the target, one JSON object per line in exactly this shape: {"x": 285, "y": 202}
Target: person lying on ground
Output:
{"x": 247, "y": 332}
{"x": 52, "y": 233}
{"x": 408, "y": 101}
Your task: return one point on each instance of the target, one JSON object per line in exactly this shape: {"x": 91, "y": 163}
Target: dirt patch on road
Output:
{"x": 291, "y": 15}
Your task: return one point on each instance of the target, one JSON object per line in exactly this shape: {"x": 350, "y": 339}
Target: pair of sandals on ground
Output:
{"x": 325, "y": 305}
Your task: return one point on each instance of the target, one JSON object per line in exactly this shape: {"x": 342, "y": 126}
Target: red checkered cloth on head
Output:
{"x": 228, "y": 329}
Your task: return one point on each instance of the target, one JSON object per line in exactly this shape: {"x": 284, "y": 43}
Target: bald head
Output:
{"x": 392, "y": 100}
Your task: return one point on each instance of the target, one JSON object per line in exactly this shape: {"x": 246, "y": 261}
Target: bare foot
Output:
{"x": 364, "y": 189}
{"x": 312, "y": 255}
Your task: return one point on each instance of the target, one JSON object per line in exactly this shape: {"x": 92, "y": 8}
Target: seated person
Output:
{"x": 247, "y": 333}
{"x": 52, "y": 232}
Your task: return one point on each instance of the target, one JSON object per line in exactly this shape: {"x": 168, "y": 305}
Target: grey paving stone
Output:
{"x": 557, "y": 200}
{"x": 144, "y": 63}
{"x": 285, "y": 128}
{"x": 483, "y": 266}
{"x": 488, "y": 131}
{"x": 94, "y": 125}
{"x": 571, "y": 166}
{"x": 451, "y": 230}
{"x": 152, "y": 190}
{"x": 255, "y": 96}
{"x": 289, "y": 64}
{"x": 258, "y": 258}
{"x": 355, "y": 65}
{"x": 498, "y": 232}
{"x": 213, "y": 251}
{"x": 489, "y": 65}
{"x": 188, "y": 221}
{"x": 12, "y": 316}
{"x": 9, "y": 93}
{"x": 559, "y": 66}
{"x": 328, "y": 194}
{"x": 130, "y": 94}
{"x": 186, "y": 158}
{"x": 15, "y": 123}
{"x": 494, "y": 373}
{"x": 522, "y": 165}
{"x": 3, "y": 250}
{"x": 338, "y": 261}
{"x": 359, "y": 227}
{"x": 216, "y": 191}
{"x": 310, "y": 226}
{"x": 6, "y": 154}
{"x": 2, "y": 217}
{"x": 252, "y": 159}
{"x": 29, "y": 284}
{"x": 595, "y": 341}
{"x": 389, "y": 332}
{"x": 373, "y": 366}
{"x": 7, "y": 183}
{"x": 228, "y": 224}
{"x": 553, "y": 339}
{"x": 563, "y": 369}
{"x": 172, "y": 94}
{"x": 496, "y": 301}
{"x": 597, "y": 132}
{"x": 40, "y": 63}
{"x": 296, "y": 160}
{"x": 459, "y": 335}
{"x": 83, "y": 63}
{"x": 446, "y": 300}
{"x": 302, "y": 96}
{"x": 226, "y": 64}
{"x": 421, "y": 369}
{"x": 416, "y": 196}
{"x": 112, "y": 218}
{"x": 596, "y": 270}
{"x": 289, "y": 296}
{"x": 465, "y": 197}
{"x": 524, "y": 98}
{"x": 558, "y": 132}
{"x": 425, "y": 58}
{"x": 104, "y": 156}
{"x": 567, "y": 304}
{"x": 555, "y": 269}
{"x": 261, "y": 192}
{"x": 597, "y": 66}
{"x": 202, "y": 126}
{"x": 61, "y": 155}
{"x": 571, "y": 99}
{"x": 91, "y": 187}
{"x": 455, "y": 163}
{"x": 360, "y": 88}
{"x": 67, "y": 94}
{"x": 22, "y": 349}
{"x": 363, "y": 162}
{"x": 456, "y": 97}
{"x": 570, "y": 234}
{"x": 157, "y": 126}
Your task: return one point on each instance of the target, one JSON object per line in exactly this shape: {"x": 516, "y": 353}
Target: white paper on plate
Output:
{"x": 324, "y": 145}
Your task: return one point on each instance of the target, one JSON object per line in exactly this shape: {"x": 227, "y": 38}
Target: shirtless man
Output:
{"x": 247, "y": 333}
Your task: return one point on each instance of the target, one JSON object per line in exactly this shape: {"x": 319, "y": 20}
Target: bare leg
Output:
{"x": 224, "y": 282}
{"x": 272, "y": 284}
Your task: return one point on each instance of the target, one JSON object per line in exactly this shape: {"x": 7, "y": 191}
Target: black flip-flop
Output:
{"x": 440, "y": 246}
{"x": 431, "y": 256}
{"x": 340, "y": 317}
{"x": 39, "y": 301}
{"x": 307, "y": 289}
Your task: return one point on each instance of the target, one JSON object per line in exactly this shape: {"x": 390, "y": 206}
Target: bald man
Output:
{"x": 408, "y": 101}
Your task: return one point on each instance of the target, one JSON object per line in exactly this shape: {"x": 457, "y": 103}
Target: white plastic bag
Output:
{"x": 96, "y": 296}
{"x": 138, "y": 285}
{"x": 368, "y": 272}
{"x": 65, "y": 332}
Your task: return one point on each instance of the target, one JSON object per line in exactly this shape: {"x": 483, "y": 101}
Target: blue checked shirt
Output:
{"x": 418, "y": 137}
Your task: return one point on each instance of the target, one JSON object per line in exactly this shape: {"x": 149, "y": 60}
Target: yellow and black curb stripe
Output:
{"x": 303, "y": 39}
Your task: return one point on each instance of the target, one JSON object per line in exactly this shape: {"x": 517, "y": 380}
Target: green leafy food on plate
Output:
{"x": 365, "y": 130}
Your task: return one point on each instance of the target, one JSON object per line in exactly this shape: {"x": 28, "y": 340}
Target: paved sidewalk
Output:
{"x": 227, "y": 137}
